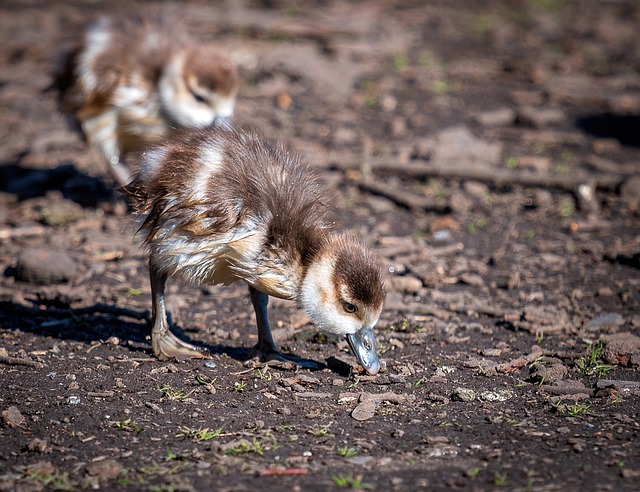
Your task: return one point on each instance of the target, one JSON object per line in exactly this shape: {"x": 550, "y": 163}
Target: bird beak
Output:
{"x": 223, "y": 122}
{"x": 363, "y": 346}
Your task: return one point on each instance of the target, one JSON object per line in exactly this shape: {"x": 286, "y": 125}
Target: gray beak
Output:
{"x": 363, "y": 346}
{"x": 223, "y": 122}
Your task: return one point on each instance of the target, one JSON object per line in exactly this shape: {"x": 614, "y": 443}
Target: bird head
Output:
{"x": 198, "y": 88}
{"x": 343, "y": 293}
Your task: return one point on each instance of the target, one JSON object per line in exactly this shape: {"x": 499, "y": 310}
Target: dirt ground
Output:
{"x": 488, "y": 151}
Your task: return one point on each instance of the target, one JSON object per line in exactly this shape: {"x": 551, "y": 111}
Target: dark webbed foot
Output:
{"x": 269, "y": 354}
{"x": 265, "y": 350}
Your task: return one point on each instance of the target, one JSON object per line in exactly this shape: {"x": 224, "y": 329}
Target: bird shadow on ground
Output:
{"x": 102, "y": 322}
{"x": 96, "y": 323}
{"x": 26, "y": 183}
{"x": 623, "y": 127}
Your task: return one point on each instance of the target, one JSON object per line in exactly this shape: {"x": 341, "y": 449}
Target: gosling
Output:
{"x": 219, "y": 205}
{"x": 133, "y": 78}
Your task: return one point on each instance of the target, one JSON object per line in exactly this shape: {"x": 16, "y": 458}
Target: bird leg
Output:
{"x": 119, "y": 171}
{"x": 265, "y": 350}
{"x": 103, "y": 132}
{"x": 165, "y": 344}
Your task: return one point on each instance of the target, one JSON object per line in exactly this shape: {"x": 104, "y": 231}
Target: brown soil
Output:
{"x": 487, "y": 150}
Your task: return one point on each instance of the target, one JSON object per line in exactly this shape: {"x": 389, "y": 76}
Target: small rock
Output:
{"x": 41, "y": 468}
{"x": 404, "y": 283}
{"x": 344, "y": 136}
{"x": 398, "y": 126}
{"x": 605, "y": 321}
{"x": 570, "y": 397}
{"x": 499, "y": 395}
{"x": 360, "y": 460}
{"x": 476, "y": 189}
{"x": 105, "y": 470}
{"x": 388, "y": 103}
{"x": 433, "y": 440}
{"x": 472, "y": 279}
{"x": 463, "y": 394}
{"x": 622, "y": 349}
{"x": 549, "y": 374}
{"x": 59, "y": 211}
{"x": 534, "y": 162}
{"x": 565, "y": 387}
{"x": 397, "y": 378}
{"x": 630, "y": 474}
{"x": 13, "y": 418}
{"x": 630, "y": 193}
{"x": 623, "y": 387}
{"x": 156, "y": 408}
{"x": 460, "y": 202}
{"x": 442, "y": 236}
{"x": 543, "y": 199}
{"x": 485, "y": 366}
{"x": 38, "y": 446}
{"x": 441, "y": 451}
{"x": 605, "y": 292}
{"x": 61, "y": 296}
{"x": 540, "y": 117}
{"x": 577, "y": 444}
{"x": 606, "y": 145}
{"x": 365, "y": 410}
{"x": 41, "y": 266}
{"x": 492, "y": 352}
{"x": 423, "y": 149}
{"x": 459, "y": 144}
{"x": 504, "y": 116}
{"x": 607, "y": 392}
{"x": 444, "y": 223}
{"x": 73, "y": 400}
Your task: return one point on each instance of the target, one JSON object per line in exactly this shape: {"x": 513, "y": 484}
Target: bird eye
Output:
{"x": 350, "y": 308}
{"x": 198, "y": 97}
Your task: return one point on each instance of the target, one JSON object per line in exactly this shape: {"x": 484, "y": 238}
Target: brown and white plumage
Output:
{"x": 217, "y": 206}
{"x": 134, "y": 77}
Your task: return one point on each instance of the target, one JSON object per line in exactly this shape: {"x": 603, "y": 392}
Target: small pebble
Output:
{"x": 13, "y": 418}
{"x": 364, "y": 411}
{"x": 608, "y": 320}
{"x": 73, "y": 400}
{"x": 605, "y": 292}
{"x": 442, "y": 235}
{"x": 40, "y": 266}
{"x": 38, "y": 446}
{"x": 464, "y": 394}
{"x": 502, "y": 395}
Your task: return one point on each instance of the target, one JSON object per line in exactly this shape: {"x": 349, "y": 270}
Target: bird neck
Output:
{"x": 317, "y": 285}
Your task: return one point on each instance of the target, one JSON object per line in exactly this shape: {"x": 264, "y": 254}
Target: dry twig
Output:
{"x": 492, "y": 176}
{"x": 17, "y": 361}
